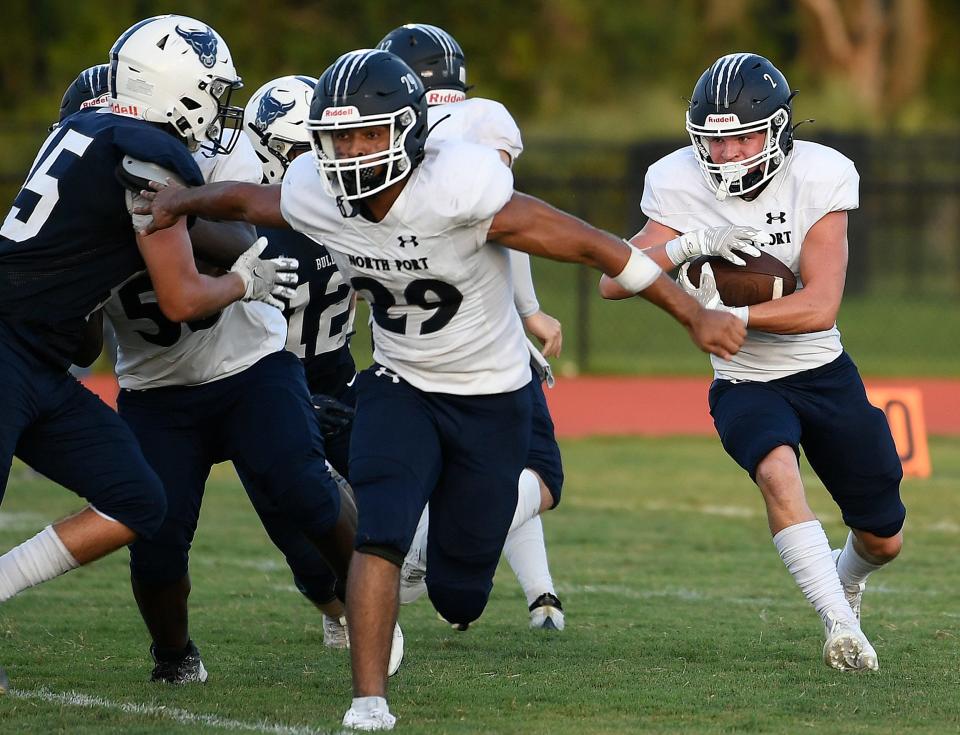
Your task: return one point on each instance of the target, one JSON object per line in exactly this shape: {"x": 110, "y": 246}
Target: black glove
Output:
{"x": 334, "y": 416}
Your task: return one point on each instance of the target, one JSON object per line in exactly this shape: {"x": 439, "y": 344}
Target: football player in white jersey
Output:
{"x": 444, "y": 414}
{"x": 791, "y": 384}
{"x": 437, "y": 58}
{"x": 201, "y": 392}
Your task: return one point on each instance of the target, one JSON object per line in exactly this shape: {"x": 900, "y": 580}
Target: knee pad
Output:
{"x": 141, "y": 506}
{"x": 305, "y": 492}
{"x": 318, "y": 588}
{"x": 459, "y": 603}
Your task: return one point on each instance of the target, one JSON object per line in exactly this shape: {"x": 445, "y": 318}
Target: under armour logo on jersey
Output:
{"x": 781, "y": 218}
{"x": 270, "y": 109}
{"x": 383, "y": 372}
{"x": 407, "y": 240}
{"x": 203, "y": 42}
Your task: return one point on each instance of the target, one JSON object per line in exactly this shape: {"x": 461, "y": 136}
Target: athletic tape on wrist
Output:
{"x": 639, "y": 272}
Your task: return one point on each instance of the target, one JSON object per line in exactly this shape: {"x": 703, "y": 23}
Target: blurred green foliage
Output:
{"x": 608, "y": 70}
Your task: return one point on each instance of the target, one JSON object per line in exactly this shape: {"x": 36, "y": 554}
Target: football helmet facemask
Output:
{"x": 275, "y": 119}
{"x": 435, "y": 56}
{"x": 365, "y": 89}
{"x": 741, "y": 93}
{"x": 175, "y": 70}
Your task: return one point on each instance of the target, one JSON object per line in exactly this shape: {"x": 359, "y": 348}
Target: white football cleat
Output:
{"x": 546, "y": 612}
{"x": 846, "y": 647}
{"x": 396, "y": 651}
{"x": 335, "y": 633}
{"x": 413, "y": 571}
{"x": 853, "y": 592}
{"x": 375, "y": 719}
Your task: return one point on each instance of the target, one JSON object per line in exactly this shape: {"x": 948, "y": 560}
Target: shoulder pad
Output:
{"x": 136, "y": 175}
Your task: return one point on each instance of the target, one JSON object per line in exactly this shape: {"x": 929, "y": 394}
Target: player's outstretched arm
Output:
{"x": 185, "y": 294}
{"x": 528, "y": 224}
{"x": 256, "y": 204}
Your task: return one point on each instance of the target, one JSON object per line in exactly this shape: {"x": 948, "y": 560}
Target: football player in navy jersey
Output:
{"x": 792, "y": 384}
{"x": 200, "y": 393}
{"x": 70, "y": 238}
{"x": 319, "y": 322}
{"x": 444, "y": 413}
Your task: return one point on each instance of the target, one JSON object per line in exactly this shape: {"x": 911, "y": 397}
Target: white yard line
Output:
{"x": 173, "y": 714}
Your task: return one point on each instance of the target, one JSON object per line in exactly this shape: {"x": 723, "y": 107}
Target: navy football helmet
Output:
{"x": 435, "y": 56}
{"x": 741, "y": 93}
{"x": 91, "y": 88}
{"x": 362, "y": 89}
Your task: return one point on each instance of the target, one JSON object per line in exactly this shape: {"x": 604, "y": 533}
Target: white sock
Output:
{"x": 34, "y": 561}
{"x": 806, "y": 553}
{"x": 368, "y": 704}
{"x": 526, "y": 553}
{"x": 853, "y": 568}
{"x": 528, "y": 499}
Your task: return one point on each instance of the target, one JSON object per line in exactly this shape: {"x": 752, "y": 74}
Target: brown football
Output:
{"x": 762, "y": 279}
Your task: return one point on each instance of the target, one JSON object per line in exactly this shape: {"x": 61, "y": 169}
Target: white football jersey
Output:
{"x": 476, "y": 120}
{"x": 152, "y": 351}
{"x": 815, "y": 181}
{"x": 441, "y": 297}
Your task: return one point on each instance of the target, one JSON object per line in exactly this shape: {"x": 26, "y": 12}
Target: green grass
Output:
{"x": 681, "y": 619}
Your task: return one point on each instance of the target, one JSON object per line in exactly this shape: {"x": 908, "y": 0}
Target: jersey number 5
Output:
{"x": 41, "y": 190}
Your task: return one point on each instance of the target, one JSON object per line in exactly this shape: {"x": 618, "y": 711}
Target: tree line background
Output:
{"x": 610, "y": 70}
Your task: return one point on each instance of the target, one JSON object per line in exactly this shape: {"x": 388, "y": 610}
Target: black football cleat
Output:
{"x": 185, "y": 669}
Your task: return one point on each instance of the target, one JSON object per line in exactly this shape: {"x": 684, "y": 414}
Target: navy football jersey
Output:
{"x": 320, "y": 316}
{"x": 69, "y": 239}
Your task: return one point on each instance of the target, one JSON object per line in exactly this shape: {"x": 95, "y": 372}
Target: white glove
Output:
{"x": 707, "y": 293}
{"x": 265, "y": 279}
{"x": 715, "y": 241}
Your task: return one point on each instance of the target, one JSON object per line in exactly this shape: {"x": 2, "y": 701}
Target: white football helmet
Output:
{"x": 275, "y": 118}
{"x": 176, "y": 70}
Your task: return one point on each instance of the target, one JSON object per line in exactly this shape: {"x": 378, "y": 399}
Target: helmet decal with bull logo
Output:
{"x": 204, "y": 42}
{"x": 271, "y": 108}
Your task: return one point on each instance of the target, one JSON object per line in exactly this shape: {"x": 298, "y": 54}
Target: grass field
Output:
{"x": 681, "y": 619}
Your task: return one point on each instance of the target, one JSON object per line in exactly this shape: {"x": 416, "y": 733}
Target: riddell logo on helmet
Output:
{"x": 730, "y": 119}
{"x": 340, "y": 113}
{"x": 102, "y": 101}
{"x": 444, "y": 96}
{"x": 128, "y": 110}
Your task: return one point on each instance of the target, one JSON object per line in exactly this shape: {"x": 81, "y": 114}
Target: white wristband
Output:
{"x": 639, "y": 272}
{"x": 676, "y": 251}
{"x": 741, "y": 312}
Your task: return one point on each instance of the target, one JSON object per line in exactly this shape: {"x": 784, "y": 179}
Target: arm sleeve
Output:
{"x": 524, "y": 295}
